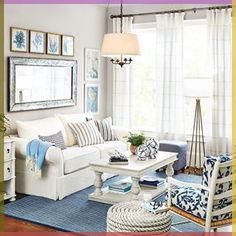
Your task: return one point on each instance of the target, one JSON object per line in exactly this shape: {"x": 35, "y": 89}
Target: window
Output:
{"x": 143, "y": 102}
{"x": 196, "y": 77}
{"x": 197, "y": 82}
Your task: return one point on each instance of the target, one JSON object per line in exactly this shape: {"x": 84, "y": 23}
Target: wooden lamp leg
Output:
{"x": 197, "y": 141}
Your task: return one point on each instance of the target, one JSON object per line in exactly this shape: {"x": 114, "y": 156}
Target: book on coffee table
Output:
{"x": 151, "y": 181}
{"x": 118, "y": 160}
{"x": 120, "y": 187}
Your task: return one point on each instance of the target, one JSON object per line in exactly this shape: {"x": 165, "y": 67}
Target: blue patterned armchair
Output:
{"x": 208, "y": 204}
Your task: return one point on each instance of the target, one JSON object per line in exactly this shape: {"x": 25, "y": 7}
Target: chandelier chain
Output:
{"x": 121, "y": 17}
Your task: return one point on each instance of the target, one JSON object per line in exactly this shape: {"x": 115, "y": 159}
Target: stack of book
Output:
{"x": 120, "y": 187}
{"x": 118, "y": 158}
{"x": 151, "y": 181}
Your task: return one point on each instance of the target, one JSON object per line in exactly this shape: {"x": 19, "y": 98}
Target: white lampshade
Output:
{"x": 198, "y": 88}
{"x": 117, "y": 44}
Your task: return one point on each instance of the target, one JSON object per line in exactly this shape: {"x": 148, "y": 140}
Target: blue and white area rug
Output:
{"x": 75, "y": 213}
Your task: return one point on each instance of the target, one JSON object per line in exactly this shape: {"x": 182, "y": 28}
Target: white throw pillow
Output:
{"x": 46, "y": 126}
{"x": 70, "y": 118}
{"x": 86, "y": 133}
{"x": 105, "y": 128}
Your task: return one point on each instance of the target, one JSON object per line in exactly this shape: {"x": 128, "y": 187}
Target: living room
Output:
{"x": 71, "y": 101}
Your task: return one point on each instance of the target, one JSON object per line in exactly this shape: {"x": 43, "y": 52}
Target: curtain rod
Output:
{"x": 173, "y": 11}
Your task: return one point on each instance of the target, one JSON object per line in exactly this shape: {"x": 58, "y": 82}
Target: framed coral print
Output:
{"x": 92, "y": 64}
{"x": 19, "y": 40}
{"x": 92, "y": 98}
{"x": 37, "y": 41}
{"x": 67, "y": 45}
{"x": 53, "y": 44}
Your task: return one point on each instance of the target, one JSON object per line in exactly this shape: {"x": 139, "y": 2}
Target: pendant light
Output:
{"x": 120, "y": 46}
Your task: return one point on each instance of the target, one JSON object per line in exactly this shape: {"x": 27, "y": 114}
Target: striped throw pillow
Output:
{"x": 86, "y": 133}
{"x": 56, "y": 139}
{"x": 105, "y": 129}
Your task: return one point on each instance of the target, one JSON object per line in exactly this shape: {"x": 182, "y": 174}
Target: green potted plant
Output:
{"x": 135, "y": 140}
{"x": 5, "y": 124}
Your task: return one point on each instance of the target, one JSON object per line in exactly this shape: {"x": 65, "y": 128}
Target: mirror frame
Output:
{"x": 28, "y": 106}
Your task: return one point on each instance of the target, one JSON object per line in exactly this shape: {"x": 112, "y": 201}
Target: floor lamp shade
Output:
{"x": 119, "y": 44}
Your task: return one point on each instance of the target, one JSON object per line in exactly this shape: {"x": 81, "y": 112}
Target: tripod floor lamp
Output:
{"x": 197, "y": 147}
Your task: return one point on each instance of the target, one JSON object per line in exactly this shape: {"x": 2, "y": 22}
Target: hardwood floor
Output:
{"x": 15, "y": 225}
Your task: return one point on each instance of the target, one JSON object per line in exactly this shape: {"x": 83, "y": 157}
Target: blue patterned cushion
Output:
{"x": 190, "y": 200}
{"x": 194, "y": 201}
{"x": 208, "y": 166}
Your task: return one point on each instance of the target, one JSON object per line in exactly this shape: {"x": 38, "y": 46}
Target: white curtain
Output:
{"x": 169, "y": 76}
{"x": 121, "y": 82}
{"x": 220, "y": 57}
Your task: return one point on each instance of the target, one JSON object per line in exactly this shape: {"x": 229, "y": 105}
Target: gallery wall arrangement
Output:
{"x": 34, "y": 41}
{"x": 92, "y": 80}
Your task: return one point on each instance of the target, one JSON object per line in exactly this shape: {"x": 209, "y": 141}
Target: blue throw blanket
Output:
{"x": 35, "y": 155}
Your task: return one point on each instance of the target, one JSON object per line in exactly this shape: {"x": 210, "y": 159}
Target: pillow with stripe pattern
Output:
{"x": 56, "y": 139}
{"x": 86, "y": 133}
{"x": 105, "y": 128}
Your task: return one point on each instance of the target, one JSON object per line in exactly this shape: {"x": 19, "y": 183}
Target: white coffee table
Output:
{"x": 135, "y": 169}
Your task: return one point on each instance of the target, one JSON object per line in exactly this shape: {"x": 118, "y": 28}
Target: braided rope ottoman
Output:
{"x": 132, "y": 217}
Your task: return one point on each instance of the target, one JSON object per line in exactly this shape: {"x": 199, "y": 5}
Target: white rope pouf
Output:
{"x": 132, "y": 217}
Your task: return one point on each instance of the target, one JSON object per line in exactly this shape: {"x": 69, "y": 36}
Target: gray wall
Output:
{"x": 86, "y": 22}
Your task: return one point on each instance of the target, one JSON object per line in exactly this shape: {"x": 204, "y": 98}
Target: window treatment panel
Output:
{"x": 219, "y": 23}
{"x": 169, "y": 76}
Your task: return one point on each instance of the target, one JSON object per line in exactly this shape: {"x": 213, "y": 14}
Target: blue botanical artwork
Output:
{"x": 37, "y": 42}
{"x": 19, "y": 40}
{"x": 67, "y": 45}
{"x": 92, "y": 64}
{"x": 92, "y": 98}
{"x": 53, "y": 44}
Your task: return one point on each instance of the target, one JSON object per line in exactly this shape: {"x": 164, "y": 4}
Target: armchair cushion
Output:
{"x": 192, "y": 200}
{"x": 208, "y": 166}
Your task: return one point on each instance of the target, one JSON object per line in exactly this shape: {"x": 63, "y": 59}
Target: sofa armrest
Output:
{"x": 54, "y": 155}
{"x": 20, "y": 146}
{"x": 121, "y": 132}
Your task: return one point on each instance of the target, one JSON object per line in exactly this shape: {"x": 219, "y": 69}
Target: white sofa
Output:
{"x": 64, "y": 171}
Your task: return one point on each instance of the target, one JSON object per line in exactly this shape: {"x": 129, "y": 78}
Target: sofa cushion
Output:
{"x": 110, "y": 146}
{"x": 46, "y": 126}
{"x": 56, "y": 139}
{"x": 105, "y": 128}
{"x": 66, "y": 119}
{"x": 86, "y": 133}
{"x": 76, "y": 158}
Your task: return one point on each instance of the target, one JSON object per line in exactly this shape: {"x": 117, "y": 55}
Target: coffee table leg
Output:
{"x": 98, "y": 183}
{"x": 170, "y": 170}
{"x": 135, "y": 186}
